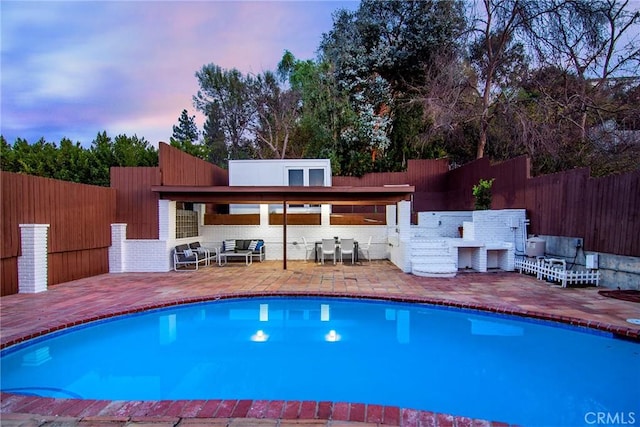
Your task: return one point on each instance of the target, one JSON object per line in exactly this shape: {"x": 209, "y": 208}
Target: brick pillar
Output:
{"x": 404, "y": 227}
{"x": 404, "y": 220}
{"x": 391, "y": 216}
{"x": 117, "y": 250}
{"x": 166, "y": 220}
{"x": 32, "y": 264}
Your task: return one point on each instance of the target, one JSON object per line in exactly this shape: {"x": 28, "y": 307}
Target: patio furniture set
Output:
{"x": 194, "y": 254}
{"x": 336, "y": 247}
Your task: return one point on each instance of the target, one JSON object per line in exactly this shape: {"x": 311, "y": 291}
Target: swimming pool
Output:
{"x": 453, "y": 361}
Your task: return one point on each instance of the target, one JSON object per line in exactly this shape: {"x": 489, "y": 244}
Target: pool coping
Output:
{"x": 617, "y": 331}
{"x": 143, "y": 411}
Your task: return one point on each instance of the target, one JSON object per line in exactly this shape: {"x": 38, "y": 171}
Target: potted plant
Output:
{"x": 482, "y": 194}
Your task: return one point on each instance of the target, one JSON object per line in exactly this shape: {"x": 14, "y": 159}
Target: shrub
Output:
{"x": 482, "y": 194}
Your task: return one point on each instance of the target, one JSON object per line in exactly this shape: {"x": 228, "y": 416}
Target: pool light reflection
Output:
{"x": 332, "y": 336}
{"x": 259, "y": 336}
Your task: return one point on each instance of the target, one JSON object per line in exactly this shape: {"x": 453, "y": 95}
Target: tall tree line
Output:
{"x": 70, "y": 161}
{"x": 556, "y": 80}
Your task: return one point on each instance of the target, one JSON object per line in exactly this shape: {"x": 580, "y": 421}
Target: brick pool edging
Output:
{"x": 617, "y": 331}
{"x": 172, "y": 411}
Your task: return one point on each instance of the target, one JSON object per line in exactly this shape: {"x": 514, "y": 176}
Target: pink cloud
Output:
{"x": 134, "y": 63}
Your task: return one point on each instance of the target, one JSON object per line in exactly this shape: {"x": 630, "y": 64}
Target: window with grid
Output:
{"x": 186, "y": 223}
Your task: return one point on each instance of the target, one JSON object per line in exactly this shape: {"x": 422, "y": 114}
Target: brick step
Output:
{"x": 429, "y": 252}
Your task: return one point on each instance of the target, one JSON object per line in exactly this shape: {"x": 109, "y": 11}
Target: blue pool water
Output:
{"x": 459, "y": 362}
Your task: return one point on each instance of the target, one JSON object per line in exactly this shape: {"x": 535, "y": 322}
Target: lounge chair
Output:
{"x": 185, "y": 256}
{"x": 328, "y": 248}
{"x": 347, "y": 247}
{"x": 207, "y": 254}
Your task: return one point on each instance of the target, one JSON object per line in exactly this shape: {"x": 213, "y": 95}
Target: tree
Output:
{"x": 443, "y": 111}
{"x": 231, "y": 93}
{"x": 185, "y": 136}
{"x": 213, "y": 137}
{"x": 568, "y": 111}
{"x": 187, "y": 130}
{"x": 277, "y": 111}
{"x": 8, "y": 161}
{"x": 597, "y": 41}
{"x": 133, "y": 151}
{"x": 325, "y": 110}
{"x": 125, "y": 151}
{"x": 72, "y": 162}
{"x": 497, "y": 57}
{"x": 33, "y": 159}
{"x": 379, "y": 53}
{"x": 393, "y": 39}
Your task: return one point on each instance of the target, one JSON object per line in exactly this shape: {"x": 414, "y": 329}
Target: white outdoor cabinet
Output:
{"x": 285, "y": 172}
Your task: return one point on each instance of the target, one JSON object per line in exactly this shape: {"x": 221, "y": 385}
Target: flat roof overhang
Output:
{"x": 384, "y": 195}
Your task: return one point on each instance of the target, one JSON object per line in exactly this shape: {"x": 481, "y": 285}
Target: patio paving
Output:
{"x": 24, "y": 316}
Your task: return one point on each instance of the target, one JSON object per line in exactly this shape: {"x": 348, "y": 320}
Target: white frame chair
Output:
{"x": 347, "y": 246}
{"x": 185, "y": 256}
{"x": 206, "y": 253}
{"x": 366, "y": 248}
{"x": 328, "y": 247}
{"x": 309, "y": 248}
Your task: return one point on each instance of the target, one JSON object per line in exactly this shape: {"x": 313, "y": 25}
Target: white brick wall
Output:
{"x": 166, "y": 220}
{"x": 32, "y": 264}
{"x": 131, "y": 255}
{"x": 148, "y": 256}
{"x": 117, "y": 250}
{"x": 490, "y": 240}
{"x": 503, "y": 225}
{"x": 213, "y": 235}
{"x": 495, "y": 229}
{"x": 441, "y": 224}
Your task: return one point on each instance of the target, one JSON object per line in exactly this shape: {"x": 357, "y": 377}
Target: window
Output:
{"x": 316, "y": 177}
{"x": 296, "y": 177}
{"x": 186, "y": 223}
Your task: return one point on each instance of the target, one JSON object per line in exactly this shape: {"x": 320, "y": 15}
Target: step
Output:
{"x": 434, "y": 270}
{"x": 428, "y": 252}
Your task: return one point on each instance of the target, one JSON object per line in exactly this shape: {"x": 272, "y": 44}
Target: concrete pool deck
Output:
{"x": 24, "y": 316}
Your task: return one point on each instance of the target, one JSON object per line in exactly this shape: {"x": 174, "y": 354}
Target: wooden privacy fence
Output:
{"x": 427, "y": 176}
{"x": 79, "y": 218}
{"x": 605, "y": 211}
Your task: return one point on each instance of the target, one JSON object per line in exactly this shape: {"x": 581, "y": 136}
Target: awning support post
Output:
{"x": 284, "y": 234}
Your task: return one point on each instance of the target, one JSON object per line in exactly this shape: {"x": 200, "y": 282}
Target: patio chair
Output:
{"x": 183, "y": 255}
{"x": 328, "y": 248}
{"x": 347, "y": 247}
{"x": 309, "y": 248}
{"x": 366, "y": 248}
{"x": 207, "y": 254}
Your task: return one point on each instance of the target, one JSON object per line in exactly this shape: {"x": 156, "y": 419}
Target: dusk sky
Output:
{"x": 75, "y": 68}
